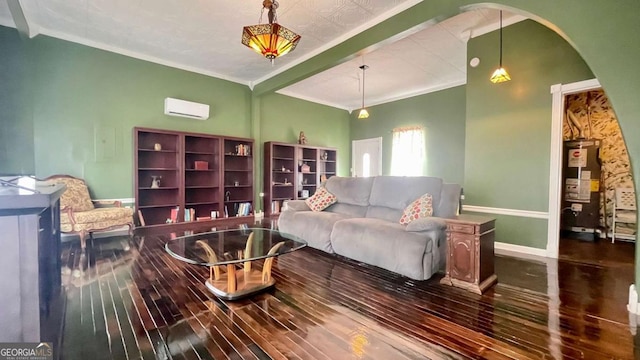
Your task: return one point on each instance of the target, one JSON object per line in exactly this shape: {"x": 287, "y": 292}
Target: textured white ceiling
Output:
{"x": 204, "y": 36}
{"x": 429, "y": 60}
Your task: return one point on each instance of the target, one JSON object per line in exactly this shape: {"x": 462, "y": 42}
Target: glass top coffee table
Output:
{"x": 229, "y": 255}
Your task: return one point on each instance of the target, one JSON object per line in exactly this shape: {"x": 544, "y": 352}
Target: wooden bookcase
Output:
{"x": 293, "y": 171}
{"x": 192, "y": 171}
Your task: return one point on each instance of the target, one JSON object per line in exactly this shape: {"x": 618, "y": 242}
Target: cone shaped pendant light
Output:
{"x": 500, "y": 75}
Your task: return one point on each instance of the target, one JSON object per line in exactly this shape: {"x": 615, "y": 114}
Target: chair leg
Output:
{"x": 125, "y": 244}
{"x": 83, "y": 239}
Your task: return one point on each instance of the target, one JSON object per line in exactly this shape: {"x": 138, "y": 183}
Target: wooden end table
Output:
{"x": 470, "y": 254}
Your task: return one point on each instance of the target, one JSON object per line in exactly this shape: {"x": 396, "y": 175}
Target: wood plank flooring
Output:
{"x": 128, "y": 299}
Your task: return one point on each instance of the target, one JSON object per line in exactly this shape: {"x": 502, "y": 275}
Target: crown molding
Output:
{"x": 6, "y": 23}
{"x": 413, "y": 93}
{"x": 313, "y": 100}
{"x": 137, "y": 55}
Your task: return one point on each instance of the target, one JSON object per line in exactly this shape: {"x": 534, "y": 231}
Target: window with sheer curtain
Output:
{"x": 407, "y": 152}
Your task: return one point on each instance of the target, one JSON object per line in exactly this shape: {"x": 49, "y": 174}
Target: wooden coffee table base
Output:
{"x": 236, "y": 284}
{"x": 246, "y": 284}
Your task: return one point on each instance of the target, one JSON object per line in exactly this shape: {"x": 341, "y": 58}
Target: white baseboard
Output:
{"x": 519, "y": 250}
{"x": 633, "y": 306}
{"x": 509, "y": 212}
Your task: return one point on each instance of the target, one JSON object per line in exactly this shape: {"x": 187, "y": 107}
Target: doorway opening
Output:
{"x": 592, "y": 198}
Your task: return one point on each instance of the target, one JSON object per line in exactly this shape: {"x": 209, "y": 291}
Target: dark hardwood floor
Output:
{"x": 128, "y": 299}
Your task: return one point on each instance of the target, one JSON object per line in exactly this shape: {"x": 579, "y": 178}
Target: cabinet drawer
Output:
{"x": 462, "y": 228}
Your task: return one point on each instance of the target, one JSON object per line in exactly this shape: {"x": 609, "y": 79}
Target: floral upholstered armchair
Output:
{"x": 79, "y": 215}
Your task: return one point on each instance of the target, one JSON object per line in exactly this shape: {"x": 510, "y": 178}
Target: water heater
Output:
{"x": 580, "y": 215}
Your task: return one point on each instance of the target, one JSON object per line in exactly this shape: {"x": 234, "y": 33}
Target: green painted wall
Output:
{"x": 441, "y": 113}
{"x": 16, "y": 121}
{"x": 283, "y": 117}
{"x": 509, "y": 124}
{"x": 87, "y": 101}
{"x": 73, "y": 110}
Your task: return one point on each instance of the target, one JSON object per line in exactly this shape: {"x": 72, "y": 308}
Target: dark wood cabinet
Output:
{"x": 470, "y": 252}
{"x": 182, "y": 177}
{"x": 32, "y": 300}
{"x": 294, "y": 171}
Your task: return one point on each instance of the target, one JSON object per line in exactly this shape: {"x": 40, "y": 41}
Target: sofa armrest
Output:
{"x": 297, "y": 205}
{"x": 427, "y": 224}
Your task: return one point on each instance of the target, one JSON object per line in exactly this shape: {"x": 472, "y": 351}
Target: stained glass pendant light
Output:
{"x": 500, "y": 75}
{"x": 270, "y": 40}
{"x": 363, "y": 112}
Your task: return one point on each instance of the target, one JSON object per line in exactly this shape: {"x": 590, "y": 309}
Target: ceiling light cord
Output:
{"x": 501, "y": 38}
{"x": 363, "y": 67}
{"x": 501, "y": 74}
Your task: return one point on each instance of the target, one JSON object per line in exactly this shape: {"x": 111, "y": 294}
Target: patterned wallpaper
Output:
{"x": 603, "y": 125}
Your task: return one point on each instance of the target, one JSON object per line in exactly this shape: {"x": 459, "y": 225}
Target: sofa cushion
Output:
{"x": 350, "y": 190}
{"x": 320, "y": 200}
{"x": 422, "y": 207}
{"x": 348, "y": 209}
{"x": 313, "y": 227}
{"x": 96, "y": 219}
{"x": 383, "y": 244}
{"x": 384, "y": 213}
{"x": 397, "y": 192}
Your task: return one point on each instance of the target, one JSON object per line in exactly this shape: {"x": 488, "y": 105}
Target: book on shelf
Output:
{"x": 174, "y": 214}
{"x": 275, "y": 207}
{"x": 243, "y": 150}
{"x": 189, "y": 214}
{"x": 242, "y": 209}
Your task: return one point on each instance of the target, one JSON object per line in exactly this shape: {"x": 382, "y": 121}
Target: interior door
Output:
{"x": 366, "y": 157}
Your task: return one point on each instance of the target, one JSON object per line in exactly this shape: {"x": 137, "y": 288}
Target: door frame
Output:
{"x": 353, "y": 151}
{"x": 558, "y": 92}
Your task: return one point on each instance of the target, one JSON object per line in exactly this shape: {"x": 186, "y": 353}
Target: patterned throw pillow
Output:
{"x": 420, "y": 208}
{"x": 320, "y": 200}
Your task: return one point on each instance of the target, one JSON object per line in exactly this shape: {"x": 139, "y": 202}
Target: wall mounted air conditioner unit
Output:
{"x": 192, "y": 110}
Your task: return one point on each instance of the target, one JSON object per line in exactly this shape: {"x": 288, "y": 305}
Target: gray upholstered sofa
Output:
{"x": 364, "y": 222}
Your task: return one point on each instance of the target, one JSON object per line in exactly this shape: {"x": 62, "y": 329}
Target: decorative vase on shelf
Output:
{"x": 155, "y": 182}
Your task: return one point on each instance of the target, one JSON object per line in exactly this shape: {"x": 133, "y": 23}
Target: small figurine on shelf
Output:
{"x": 155, "y": 183}
{"x": 302, "y": 140}
{"x": 325, "y": 156}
